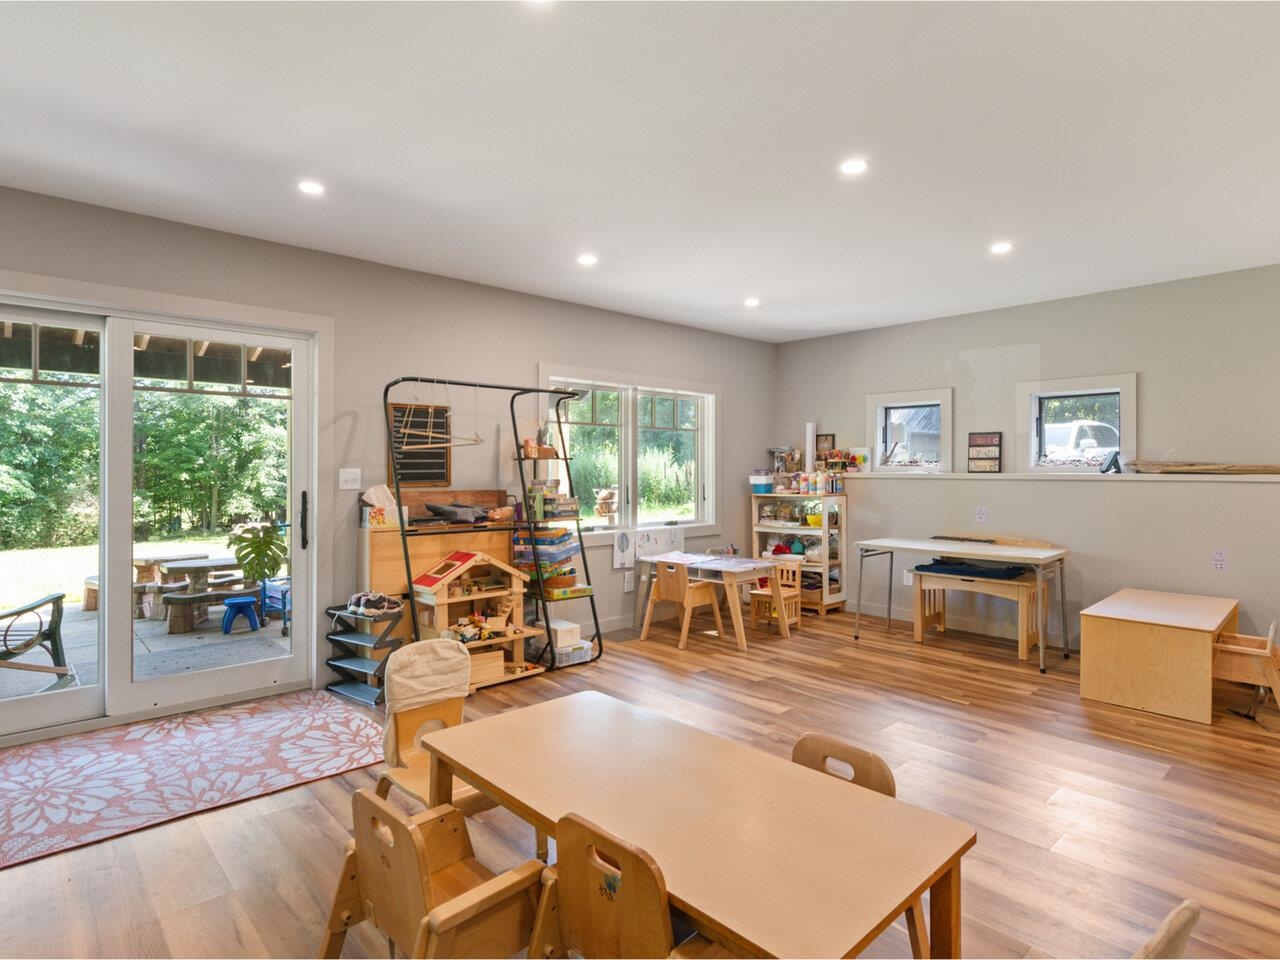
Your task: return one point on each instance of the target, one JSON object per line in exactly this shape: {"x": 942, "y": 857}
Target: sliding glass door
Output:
{"x": 153, "y": 515}
{"x": 51, "y": 605}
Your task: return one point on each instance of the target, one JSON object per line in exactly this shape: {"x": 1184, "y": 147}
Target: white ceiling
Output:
{"x": 692, "y": 146}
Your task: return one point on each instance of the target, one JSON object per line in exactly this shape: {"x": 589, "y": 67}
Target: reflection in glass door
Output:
{"x": 50, "y": 518}
{"x": 218, "y": 443}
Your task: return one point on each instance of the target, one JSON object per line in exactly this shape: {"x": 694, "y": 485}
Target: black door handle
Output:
{"x": 302, "y": 520}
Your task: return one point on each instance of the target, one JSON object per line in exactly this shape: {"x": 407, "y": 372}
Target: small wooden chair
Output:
{"x": 1169, "y": 942}
{"x": 815, "y": 750}
{"x": 1251, "y": 660}
{"x": 606, "y": 898}
{"x": 425, "y": 684}
{"x": 672, "y": 583}
{"x": 762, "y": 605}
{"x": 418, "y": 881}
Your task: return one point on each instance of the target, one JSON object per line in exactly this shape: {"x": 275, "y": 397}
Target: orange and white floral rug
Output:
{"x": 77, "y": 789}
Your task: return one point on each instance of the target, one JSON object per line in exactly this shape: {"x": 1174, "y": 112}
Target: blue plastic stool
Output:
{"x": 237, "y": 606}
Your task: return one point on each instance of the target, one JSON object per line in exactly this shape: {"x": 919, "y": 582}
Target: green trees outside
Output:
{"x": 202, "y": 463}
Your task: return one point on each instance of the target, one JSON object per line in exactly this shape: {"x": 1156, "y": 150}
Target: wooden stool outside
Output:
{"x": 762, "y": 605}
{"x": 931, "y": 602}
{"x": 672, "y": 583}
{"x": 866, "y": 769}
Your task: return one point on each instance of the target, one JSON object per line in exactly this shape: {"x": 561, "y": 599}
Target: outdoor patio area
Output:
{"x": 156, "y": 652}
{"x": 31, "y": 574}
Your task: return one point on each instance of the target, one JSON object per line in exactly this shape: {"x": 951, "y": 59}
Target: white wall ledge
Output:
{"x": 1079, "y": 477}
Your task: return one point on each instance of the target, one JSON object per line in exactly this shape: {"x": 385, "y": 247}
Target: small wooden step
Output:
{"x": 357, "y": 691}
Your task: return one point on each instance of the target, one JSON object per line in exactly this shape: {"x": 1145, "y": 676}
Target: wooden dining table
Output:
{"x": 763, "y": 855}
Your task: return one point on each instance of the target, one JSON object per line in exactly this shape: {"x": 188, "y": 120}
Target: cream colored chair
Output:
{"x": 866, "y": 769}
{"x": 606, "y": 898}
{"x": 425, "y": 684}
{"x": 417, "y": 880}
{"x": 762, "y": 605}
{"x": 1169, "y": 942}
{"x": 671, "y": 582}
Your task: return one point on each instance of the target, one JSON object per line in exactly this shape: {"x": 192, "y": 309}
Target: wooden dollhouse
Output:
{"x": 479, "y": 600}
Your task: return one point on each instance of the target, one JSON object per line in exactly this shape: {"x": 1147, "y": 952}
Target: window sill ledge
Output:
{"x": 692, "y": 531}
{"x": 1081, "y": 477}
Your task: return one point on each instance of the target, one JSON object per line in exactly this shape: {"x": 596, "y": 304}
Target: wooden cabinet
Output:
{"x": 380, "y": 558}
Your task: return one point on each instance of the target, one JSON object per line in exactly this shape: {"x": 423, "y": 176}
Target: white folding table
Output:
{"x": 1046, "y": 561}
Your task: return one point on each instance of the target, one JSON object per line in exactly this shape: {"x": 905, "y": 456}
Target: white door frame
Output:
{"x": 98, "y": 299}
{"x": 127, "y": 695}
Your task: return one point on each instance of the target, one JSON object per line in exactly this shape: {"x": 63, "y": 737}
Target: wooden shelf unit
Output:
{"x": 835, "y": 522}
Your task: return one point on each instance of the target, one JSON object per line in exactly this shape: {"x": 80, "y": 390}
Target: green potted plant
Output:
{"x": 261, "y": 550}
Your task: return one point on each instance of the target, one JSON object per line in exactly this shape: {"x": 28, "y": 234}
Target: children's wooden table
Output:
{"x": 1153, "y": 651}
{"x": 731, "y": 571}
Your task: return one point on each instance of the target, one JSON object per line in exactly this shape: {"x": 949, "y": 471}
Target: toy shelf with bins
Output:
{"x": 832, "y": 508}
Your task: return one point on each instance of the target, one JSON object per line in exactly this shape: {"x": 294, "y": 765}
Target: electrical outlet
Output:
{"x": 908, "y": 578}
{"x": 629, "y": 581}
{"x": 980, "y": 515}
{"x": 1218, "y": 559}
{"x": 349, "y": 478}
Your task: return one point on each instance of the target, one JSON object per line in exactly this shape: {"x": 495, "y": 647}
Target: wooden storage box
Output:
{"x": 486, "y": 666}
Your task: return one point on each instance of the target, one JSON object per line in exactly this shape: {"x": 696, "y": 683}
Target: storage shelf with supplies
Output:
{"x": 822, "y": 558}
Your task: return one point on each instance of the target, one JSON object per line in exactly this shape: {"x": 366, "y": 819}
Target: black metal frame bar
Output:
{"x": 528, "y": 524}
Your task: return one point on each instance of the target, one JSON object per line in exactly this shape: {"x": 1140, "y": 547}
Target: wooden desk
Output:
{"x": 763, "y": 854}
{"x": 1154, "y": 651}
{"x": 1046, "y": 561}
{"x": 731, "y": 571}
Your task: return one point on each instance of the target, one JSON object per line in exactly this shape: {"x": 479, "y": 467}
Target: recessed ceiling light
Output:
{"x": 312, "y": 188}
{"x": 588, "y": 259}
{"x": 1001, "y": 247}
{"x": 854, "y": 167}
{"x": 751, "y": 302}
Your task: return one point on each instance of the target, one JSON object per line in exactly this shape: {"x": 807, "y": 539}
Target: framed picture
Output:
{"x": 824, "y": 443}
{"x": 984, "y": 452}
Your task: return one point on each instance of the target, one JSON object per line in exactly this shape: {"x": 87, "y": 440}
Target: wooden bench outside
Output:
{"x": 188, "y": 609}
{"x": 91, "y": 589}
{"x": 931, "y": 602}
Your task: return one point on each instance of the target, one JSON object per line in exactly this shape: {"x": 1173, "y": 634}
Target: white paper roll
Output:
{"x": 810, "y": 445}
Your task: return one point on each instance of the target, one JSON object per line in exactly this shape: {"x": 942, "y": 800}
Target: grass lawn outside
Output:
{"x": 27, "y": 575}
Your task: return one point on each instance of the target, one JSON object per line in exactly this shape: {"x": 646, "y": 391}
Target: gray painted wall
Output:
{"x": 392, "y": 322}
{"x": 1205, "y": 352}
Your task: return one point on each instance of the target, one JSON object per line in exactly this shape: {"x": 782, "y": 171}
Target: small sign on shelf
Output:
{"x": 984, "y": 452}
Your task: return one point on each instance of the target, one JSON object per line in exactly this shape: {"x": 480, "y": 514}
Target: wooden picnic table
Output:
{"x": 147, "y": 569}
{"x": 197, "y": 570}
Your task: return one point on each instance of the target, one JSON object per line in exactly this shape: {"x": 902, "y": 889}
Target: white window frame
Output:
{"x": 877, "y": 403}
{"x": 1029, "y": 395}
{"x": 628, "y": 386}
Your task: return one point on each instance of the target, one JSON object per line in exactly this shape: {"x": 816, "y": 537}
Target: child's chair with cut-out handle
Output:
{"x": 417, "y": 880}
{"x": 763, "y": 606}
{"x": 606, "y": 898}
{"x": 1251, "y": 660}
{"x": 864, "y": 769}
{"x": 672, "y": 582}
{"x": 425, "y": 684}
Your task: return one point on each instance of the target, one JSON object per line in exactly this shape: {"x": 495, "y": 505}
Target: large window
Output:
{"x": 639, "y": 456}
{"x": 911, "y": 431}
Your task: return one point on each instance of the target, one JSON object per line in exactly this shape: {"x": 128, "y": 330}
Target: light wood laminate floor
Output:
{"x": 1093, "y": 821}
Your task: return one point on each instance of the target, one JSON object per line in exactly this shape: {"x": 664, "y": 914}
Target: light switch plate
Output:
{"x": 629, "y": 581}
{"x": 908, "y": 578}
{"x": 349, "y": 478}
{"x": 980, "y": 515}
{"x": 1218, "y": 559}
